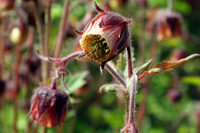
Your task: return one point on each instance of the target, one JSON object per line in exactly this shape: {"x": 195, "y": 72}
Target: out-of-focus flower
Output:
{"x": 49, "y": 106}
{"x": 178, "y": 54}
{"x": 69, "y": 31}
{"x": 10, "y": 92}
{"x": 33, "y": 64}
{"x": 174, "y": 95}
{"x": 105, "y": 36}
{"x": 6, "y": 5}
{"x": 168, "y": 24}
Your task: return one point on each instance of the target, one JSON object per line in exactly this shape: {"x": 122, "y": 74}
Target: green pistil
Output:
{"x": 95, "y": 47}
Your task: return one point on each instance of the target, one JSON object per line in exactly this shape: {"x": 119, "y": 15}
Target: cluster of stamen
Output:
{"x": 95, "y": 47}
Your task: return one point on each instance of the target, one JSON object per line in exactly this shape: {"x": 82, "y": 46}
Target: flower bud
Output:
{"x": 49, "y": 106}
{"x": 33, "y": 63}
{"x": 178, "y": 54}
{"x": 174, "y": 95}
{"x": 168, "y": 24}
{"x": 105, "y": 36}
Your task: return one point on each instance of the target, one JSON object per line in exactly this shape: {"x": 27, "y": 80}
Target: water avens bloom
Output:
{"x": 105, "y": 36}
{"x": 168, "y": 24}
{"x": 49, "y": 106}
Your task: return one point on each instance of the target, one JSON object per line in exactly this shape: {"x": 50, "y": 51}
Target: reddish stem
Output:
{"x": 29, "y": 42}
{"x": 60, "y": 60}
{"x": 115, "y": 75}
{"x": 129, "y": 59}
{"x": 47, "y": 34}
{"x": 44, "y": 48}
{"x": 130, "y": 124}
{"x": 16, "y": 77}
{"x": 2, "y": 45}
{"x": 61, "y": 30}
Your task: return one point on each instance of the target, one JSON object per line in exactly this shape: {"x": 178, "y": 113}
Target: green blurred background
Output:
{"x": 93, "y": 112}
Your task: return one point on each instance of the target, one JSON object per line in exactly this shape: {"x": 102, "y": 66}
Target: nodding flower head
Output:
{"x": 6, "y": 5}
{"x": 49, "y": 106}
{"x": 168, "y": 24}
{"x": 105, "y": 36}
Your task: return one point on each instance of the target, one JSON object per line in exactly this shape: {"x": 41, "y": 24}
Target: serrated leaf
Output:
{"x": 194, "y": 80}
{"x": 121, "y": 62}
{"x": 143, "y": 68}
{"x": 166, "y": 66}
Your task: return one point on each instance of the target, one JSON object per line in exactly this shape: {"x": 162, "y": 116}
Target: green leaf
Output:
{"x": 110, "y": 88}
{"x": 74, "y": 82}
{"x": 121, "y": 62}
{"x": 166, "y": 66}
{"x": 144, "y": 67}
{"x": 193, "y": 80}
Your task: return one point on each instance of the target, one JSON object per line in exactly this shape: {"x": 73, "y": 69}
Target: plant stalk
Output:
{"x": 44, "y": 48}
{"x": 130, "y": 114}
{"x": 133, "y": 88}
{"x": 2, "y": 45}
{"x": 61, "y": 30}
{"x": 170, "y": 5}
{"x": 115, "y": 75}
{"x": 129, "y": 60}
{"x": 16, "y": 77}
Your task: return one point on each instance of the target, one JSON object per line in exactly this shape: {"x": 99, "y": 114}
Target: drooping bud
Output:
{"x": 33, "y": 63}
{"x": 49, "y": 106}
{"x": 178, "y": 54}
{"x": 105, "y": 36}
{"x": 174, "y": 95}
{"x": 168, "y": 24}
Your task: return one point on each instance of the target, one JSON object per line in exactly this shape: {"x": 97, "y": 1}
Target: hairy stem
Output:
{"x": 127, "y": 109}
{"x": 61, "y": 30}
{"x": 130, "y": 113}
{"x": 129, "y": 60}
{"x": 60, "y": 60}
{"x": 133, "y": 88}
{"x": 115, "y": 75}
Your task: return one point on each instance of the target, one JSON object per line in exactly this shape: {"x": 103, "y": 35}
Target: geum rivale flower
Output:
{"x": 105, "y": 36}
{"x": 49, "y": 106}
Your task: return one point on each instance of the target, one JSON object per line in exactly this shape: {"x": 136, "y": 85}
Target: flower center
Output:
{"x": 95, "y": 47}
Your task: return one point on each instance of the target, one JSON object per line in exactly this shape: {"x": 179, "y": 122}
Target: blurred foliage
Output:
{"x": 104, "y": 113}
